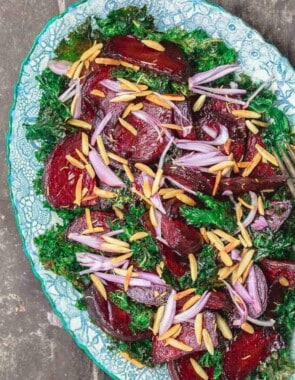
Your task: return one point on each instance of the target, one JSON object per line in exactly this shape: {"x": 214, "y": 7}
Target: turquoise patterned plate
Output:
{"x": 256, "y": 56}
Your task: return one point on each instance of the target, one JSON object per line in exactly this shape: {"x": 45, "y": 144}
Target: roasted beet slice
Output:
{"x": 186, "y": 121}
{"x": 277, "y": 213}
{"x": 172, "y": 207}
{"x": 171, "y": 62}
{"x": 181, "y": 238}
{"x": 181, "y": 369}
{"x": 246, "y": 352}
{"x": 146, "y": 146}
{"x": 110, "y": 318}
{"x": 273, "y": 270}
{"x": 172, "y": 261}
{"x": 155, "y": 295}
{"x": 191, "y": 178}
{"x": 98, "y": 219}
{"x": 241, "y": 185}
{"x": 262, "y": 169}
{"x": 275, "y": 297}
{"x": 162, "y": 353}
{"x": 218, "y": 301}
{"x": 60, "y": 177}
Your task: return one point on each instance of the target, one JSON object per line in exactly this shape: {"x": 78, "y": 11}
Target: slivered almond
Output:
{"x": 108, "y": 61}
{"x": 92, "y": 231}
{"x": 72, "y": 69}
{"x": 242, "y": 240}
{"x": 243, "y": 164}
{"x": 141, "y": 196}
{"x": 118, "y": 212}
{"x": 143, "y": 93}
{"x": 75, "y": 162}
{"x": 73, "y": 105}
{"x": 204, "y": 234}
{"x": 88, "y": 219}
{"x": 157, "y": 320}
{"x": 244, "y": 203}
{"x": 117, "y": 259}
{"x": 246, "y": 272}
{"x": 133, "y": 361}
{"x": 246, "y": 114}
{"x": 198, "y": 369}
{"x": 225, "y": 272}
{"x": 147, "y": 189}
{"x": 284, "y": 281}
{"x": 104, "y": 193}
{"x": 208, "y": 341}
{"x": 81, "y": 156}
{"x": 157, "y": 180}
{"x": 128, "y": 126}
{"x": 217, "y": 182}
{"x": 115, "y": 241}
{"x": 184, "y": 293}
{"x": 174, "y": 329}
{"x": 215, "y": 240}
{"x": 78, "y": 71}
{"x": 137, "y": 107}
{"x": 128, "y": 277}
{"x": 117, "y": 158}
{"x": 172, "y": 126}
{"x": 244, "y": 262}
{"x": 138, "y": 236}
{"x": 146, "y": 169}
{"x": 177, "y": 333}
{"x": 233, "y": 244}
{"x": 221, "y": 166}
{"x": 166, "y": 190}
{"x": 99, "y": 286}
{"x": 224, "y": 235}
{"x": 225, "y": 258}
{"x": 193, "y": 266}
{"x": 223, "y": 327}
{"x": 189, "y": 303}
{"x": 252, "y": 165}
{"x": 153, "y": 45}
{"x": 172, "y": 193}
{"x": 199, "y": 103}
{"x": 84, "y": 192}
{"x": 247, "y": 328}
{"x": 90, "y": 197}
{"x": 159, "y": 270}
{"x": 159, "y": 101}
{"x": 198, "y": 326}
{"x": 177, "y": 344}
{"x": 268, "y": 156}
{"x": 186, "y": 199}
{"x": 89, "y": 52}
{"x": 174, "y": 97}
{"x": 94, "y": 55}
{"x": 227, "y": 146}
{"x": 259, "y": 123}
{"x": 128, "y": 173}
{"x": 122, "y": 98}
{"x": 152, "y": 216}
{"x": 142, "y": 87}
{"x": 252, "y": 127}
{"x": 130, "y": 65}
{"x": 98, "y": 93}
{"x": 245, "y": 234}
{"x": 115, "y": 248}
{"x": 127, "y": 110}
{"x": 102, "y": 150}
{"x": 129, "y": 85}
{"x": 79, "y": 123}
{"x": 85, "y": 144}
{"x": 239, "y": 212}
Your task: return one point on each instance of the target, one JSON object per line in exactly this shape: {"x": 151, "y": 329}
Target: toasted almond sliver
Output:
{"x": 117, "y": 158}
{"x": 244, "y": 203}
{"x": 246, "y": 114}
{"x": 221, "y": 166}
{"x": 72, "y": 69}
{"x": 157, "y": 180}
{"x": 227, "y": 146}
{"x": 92, "y": 231}
{"x": 85, "y": 144}
{"x": 137, "y": 106}
{"x": 199, "y": 103}
{"x": 259, "y": 123}
{"x": 159, "y": 101}
{"x": 115, "y": 241}
{"x": 244, "y": 262}
{"x": 127, "y": 110}
{"x": 117, "y": 259}
{"x": 122, "y": 98}
{"x": 208, "y": 341}
{"x": 84, "y": 192}
{"x": 186, "y": 199}
{"x": 284, "y": 281}
{"x": 89, "y": 52}
{"x": 118, "y": 212}
{"x": 147, "y": 189}
{"x": 99, "y": 286}
{"x": 75, "y": 162}
{"x": 246, "y": 272}
{"x": 184, "y": 293}
{"x": 129, "y": 85}
{"x": 90, "y": 197}
{"x": 217, "y": 182}
{"x": 166, "y": 190}
{"x": 141, "y": 196}
{"x": 215, "y": 240}
{"x": 268, "y": 156}
{"x": 252, "y": 127}
{"x": 153, "y": 45}
{"x": 157, "y": 320}
{"x": 233, "y": 244}
{"x": 191, "y": 302}
{"x": 81, "y": 156}
{"x": 88, "y": 218}
{"x": 198, "y": 369}
{"x": 98, "y": 93}
{"x": 204, "y": 234}
{"x": 225, "y": 258}
{"x": 153, "y": 218}
{"x": 159, "y": 270}
{"x": 128, "y": 126}
{"x": 224, "y": 235}
{"x": 245, "y": 234}
{"x": 198, "y": 325}
{"x": 94, "y": 55}
{"x": 242, "y": 240}
{"x": 138, "y": 236}
{"x": 115, "y": 248}
{"x": 104, "y": 193}
{"x": 247, "y": 327}
{"x": 252, "y": 165}
{"x": 128, "y": 277}
{"x": 73, "y": 105}
{"x": 172, "y": 193}
{"x": 78, "y": 71}
{"x": 172, "y": 126}
{"x": 174, "y": 97}
{"x": 243, "y": 164}
{"x": 174, "y": 329}
{"x": 193, "y": 266}
{"x": 225, "y": 272}
{"x": 102, "y": 150}
{"x": 107, "y": 61}
{"x": 239, "y": 212}
{"x": 128, "y": 173}
{"x": 146, "y": 169}
{"x": 223, "y": 327}
{"x": 143, "y": 93}
{"x": 130, "y": 65}
{"x": 177, "y": 344}
{"x": 123, "y": 272}
{"x": 79, "y": 123}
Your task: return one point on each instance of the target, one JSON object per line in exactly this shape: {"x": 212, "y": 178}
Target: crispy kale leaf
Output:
{"x": 141, "y": 315}
{"x": 215, "y": 361}
{"x": 59, "y": 255}
{"x": 278, "y": 133}
{"x": 286, "y": 315}
{"x": 216, "y": 214}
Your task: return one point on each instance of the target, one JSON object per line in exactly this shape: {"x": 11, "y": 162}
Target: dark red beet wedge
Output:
{"x": 246, "y": 352}
{"x": 273, "y": 270}
{"x": 186, "y": 121}
{"x": 171, "y": 62}
{"x": 60, "y": 177}
{"x": 162, "y": 353}
{"x": 110, "y": 318}
{"x": 181, "y": 369}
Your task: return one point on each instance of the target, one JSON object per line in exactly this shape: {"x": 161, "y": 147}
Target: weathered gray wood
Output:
{"x": 33, "y": 346}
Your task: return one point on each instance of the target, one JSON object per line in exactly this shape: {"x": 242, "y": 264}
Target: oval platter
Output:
{"x": 257, "y": 57}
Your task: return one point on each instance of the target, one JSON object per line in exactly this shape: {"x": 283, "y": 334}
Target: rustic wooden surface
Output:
{"x": 33, "y": 345}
